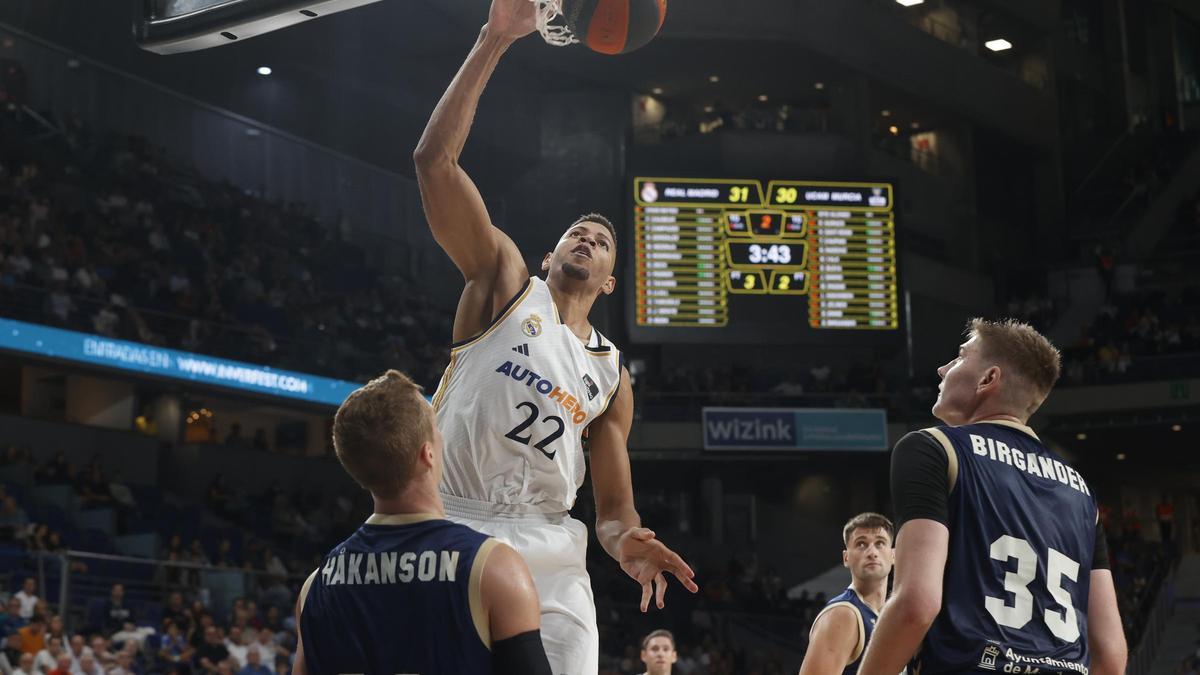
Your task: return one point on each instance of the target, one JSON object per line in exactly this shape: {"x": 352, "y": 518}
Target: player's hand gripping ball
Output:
{"x": 614, "y": 26}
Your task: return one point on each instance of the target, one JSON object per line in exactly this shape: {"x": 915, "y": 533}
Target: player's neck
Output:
{"x": 573, "y": 311}
{"x": 414, "y": 500}
{"x": 874, "y": 593}
{"x": 996, "y": 416}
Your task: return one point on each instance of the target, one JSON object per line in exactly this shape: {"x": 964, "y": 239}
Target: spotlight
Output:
{"x": 657, "y": 91}
{"x": 910, "y": 3}
{"x": 1081, "y": 436}
{"x": 264, "y": 70}
{"x": 708, "y": 108}
{"x": 762, "y": 97}
{"x": 1120, "y": 457}
{"x": 714, "y": 79}
{"x": 1176, "y": 427}
{"x": 998, "y": 45}
{"x": 818, "y": 86}
{"x": 885, "y": 112}
{"x": 894, "y": 129}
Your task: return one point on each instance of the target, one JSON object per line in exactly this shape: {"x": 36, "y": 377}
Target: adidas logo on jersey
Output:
{"x": 522, "y": 349}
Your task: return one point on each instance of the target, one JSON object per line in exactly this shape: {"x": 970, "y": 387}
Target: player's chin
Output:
{"x": 576, "y": 271}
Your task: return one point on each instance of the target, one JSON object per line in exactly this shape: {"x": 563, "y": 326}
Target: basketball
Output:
{"x": 615, "y": 26}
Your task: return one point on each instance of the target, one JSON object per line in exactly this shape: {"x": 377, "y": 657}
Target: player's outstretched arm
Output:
{"x": 921, "y": 548}
{"x": 454, "y": 208}
{"x": 1106, "y": 637}
{"x": 832, "y": 642}
{"x": 618, "y": 525}
{"x": 514, "y": 614}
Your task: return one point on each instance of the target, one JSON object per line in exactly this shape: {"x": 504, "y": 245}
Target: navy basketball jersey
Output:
{"x": 401, "y": 595}
{"x": 1022, "y": 538}
{"x": 866, "y": 623}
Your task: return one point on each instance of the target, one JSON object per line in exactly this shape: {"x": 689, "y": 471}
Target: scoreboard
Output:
{"x": 772, "y": 261}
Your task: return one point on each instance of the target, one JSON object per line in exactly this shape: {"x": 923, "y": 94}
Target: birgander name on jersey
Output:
{"x": 389, "y": 568}
{"x": 572, "y": 405}
{"x": 1038, "y": 465}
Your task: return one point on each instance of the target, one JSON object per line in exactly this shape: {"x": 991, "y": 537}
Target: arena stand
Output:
{"x": 102, "y": 233}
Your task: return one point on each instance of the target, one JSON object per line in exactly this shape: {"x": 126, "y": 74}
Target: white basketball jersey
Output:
{"x": 514, "y": 402}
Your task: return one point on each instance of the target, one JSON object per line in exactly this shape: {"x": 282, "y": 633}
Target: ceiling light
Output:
{"x": 894, "y": 129}
{"x": 909, "y": 3}
{"x": 885, "y": 112}
{"x": 1120, "y": 457}
{"x": 708, "y": 108}
{"x": 1081, "y": 436}
{"x": 998, "y": 45}
{"x": 762, "y": 97}
{"x": 1176, "y": 427}
{"x": 657, "y": 91}
{"x": 264, "y": 70}
{"x": 915, "y": 125}
{"x": 818, "y": 85}
{"x": 714, "y": 79}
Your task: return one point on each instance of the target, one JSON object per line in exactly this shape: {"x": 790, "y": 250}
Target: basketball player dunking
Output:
{"x": 842, "y": 631}
{"x": 1001, "y": 565}
{"x": 528, "y": 375}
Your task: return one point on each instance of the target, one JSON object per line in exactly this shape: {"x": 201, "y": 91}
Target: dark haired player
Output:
{"x": 842, "y": 630}
{"x": 1001, "y": 564}
{"x": 528, "y": 376}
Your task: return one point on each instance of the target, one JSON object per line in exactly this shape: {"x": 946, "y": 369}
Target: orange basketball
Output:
{"x": 614, "y": 26}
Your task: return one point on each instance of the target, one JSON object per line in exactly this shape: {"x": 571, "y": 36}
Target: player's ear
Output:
{"x": 609, "y": 286}
{"x": 990, "y": 378}
{"x": 845, "y": 558}
{"x": 426, "y": 455}
{"x": 546, "y": 262}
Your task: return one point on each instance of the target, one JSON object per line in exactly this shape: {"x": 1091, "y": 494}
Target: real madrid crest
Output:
{"x": 532, "y": 326}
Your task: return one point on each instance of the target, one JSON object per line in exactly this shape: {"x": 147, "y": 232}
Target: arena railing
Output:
{"x": 69, "y": 580}
{"x": 1142, "y": 655}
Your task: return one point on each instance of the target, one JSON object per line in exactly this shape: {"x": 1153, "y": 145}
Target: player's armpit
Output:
{"x": 1106, "y": 637}
{"x": 508, "y": 594}
{"x": 832, "y": 642}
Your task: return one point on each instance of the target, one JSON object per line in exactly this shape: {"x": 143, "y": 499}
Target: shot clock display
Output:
{"x": 774, "y": 261}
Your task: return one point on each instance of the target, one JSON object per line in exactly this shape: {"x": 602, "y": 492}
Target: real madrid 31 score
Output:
{"x": 705, "y": 247}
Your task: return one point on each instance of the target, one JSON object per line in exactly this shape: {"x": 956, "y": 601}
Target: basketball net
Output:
{"x": 557, "y": 35}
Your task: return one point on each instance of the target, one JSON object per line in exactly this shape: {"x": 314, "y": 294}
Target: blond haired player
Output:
{"x": 528, "y": 376}
{"x": 1001, "y": 564}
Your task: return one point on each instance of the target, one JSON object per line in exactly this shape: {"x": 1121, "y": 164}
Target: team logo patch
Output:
{"x": 988, "y": 660}
{"x": 592, "y": 389}
{"x": 532, "y": 326}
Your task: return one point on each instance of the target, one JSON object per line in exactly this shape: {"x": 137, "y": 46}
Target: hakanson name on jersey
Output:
{"x": 422, "y": 563}
{"x": 364, "y": 569}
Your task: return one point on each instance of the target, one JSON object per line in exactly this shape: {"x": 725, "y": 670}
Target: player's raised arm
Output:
{"x": 454, "y": 208}
{"x": 618, "y": 525}
{"x": 514, "y": 615}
